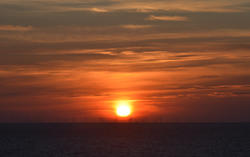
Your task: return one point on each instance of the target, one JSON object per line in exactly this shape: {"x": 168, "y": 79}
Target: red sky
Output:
{"x": 176, "y": 61}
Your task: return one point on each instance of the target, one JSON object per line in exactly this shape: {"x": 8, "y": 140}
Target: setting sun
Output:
{"x": 123, "y": 108}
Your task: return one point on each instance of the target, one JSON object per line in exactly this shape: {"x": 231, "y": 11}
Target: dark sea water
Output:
{"x": 114, "y": 140}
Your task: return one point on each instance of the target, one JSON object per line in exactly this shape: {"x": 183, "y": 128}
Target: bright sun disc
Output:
{"x": 123, "y": 109}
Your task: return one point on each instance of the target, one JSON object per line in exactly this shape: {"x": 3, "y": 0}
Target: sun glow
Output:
{"x": 123, "y": 108}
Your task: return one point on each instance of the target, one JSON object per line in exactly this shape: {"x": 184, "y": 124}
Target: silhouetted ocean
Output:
{"x": 127, "y": 140}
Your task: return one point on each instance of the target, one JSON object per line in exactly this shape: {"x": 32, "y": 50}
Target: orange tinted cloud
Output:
{"x": 98, "y": 10}
{"x": 167, "y": 18}
{"x": 136, "y": 26}
{"x": 15, "y": 28}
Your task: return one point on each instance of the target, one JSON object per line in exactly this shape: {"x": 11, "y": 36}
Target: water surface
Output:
{"x": 114, "y": 140}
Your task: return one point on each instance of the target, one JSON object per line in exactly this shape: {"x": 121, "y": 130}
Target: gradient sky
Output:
{"x": 176, "y": 61}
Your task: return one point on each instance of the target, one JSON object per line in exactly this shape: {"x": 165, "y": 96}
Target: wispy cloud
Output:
{"x": 138, "y": 5}
{"x": 136, "y": 26}
{"x": 98, "y": 10}
{"x": 15, "y": 28}
{"x": 167, "y": 18}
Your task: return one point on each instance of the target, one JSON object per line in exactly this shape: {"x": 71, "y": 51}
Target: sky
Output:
{"x": 174, "y": 61}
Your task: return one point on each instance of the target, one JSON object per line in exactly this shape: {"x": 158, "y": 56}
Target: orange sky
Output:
{"x": 175, "y": 61}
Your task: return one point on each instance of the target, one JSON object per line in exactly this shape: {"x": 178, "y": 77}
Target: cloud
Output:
{"x": 136, "y": 26}
{"x": 180, "y": 5}
{"x": 98, "y": 10}
{"x": 15, "y": 28}
{"x": 135, "y": 5}
{"x": 167, "y": 18}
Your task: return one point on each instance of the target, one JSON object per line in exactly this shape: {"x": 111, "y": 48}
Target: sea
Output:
{"x": 125, "y": 140}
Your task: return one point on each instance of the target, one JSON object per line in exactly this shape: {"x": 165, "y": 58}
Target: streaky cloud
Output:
{"x": 167, "y": 18}
{"x": 15, "y": 28}
{"x": 136, "y": 26}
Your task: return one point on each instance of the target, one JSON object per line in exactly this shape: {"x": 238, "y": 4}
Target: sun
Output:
{"x": 123, "y": 108}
